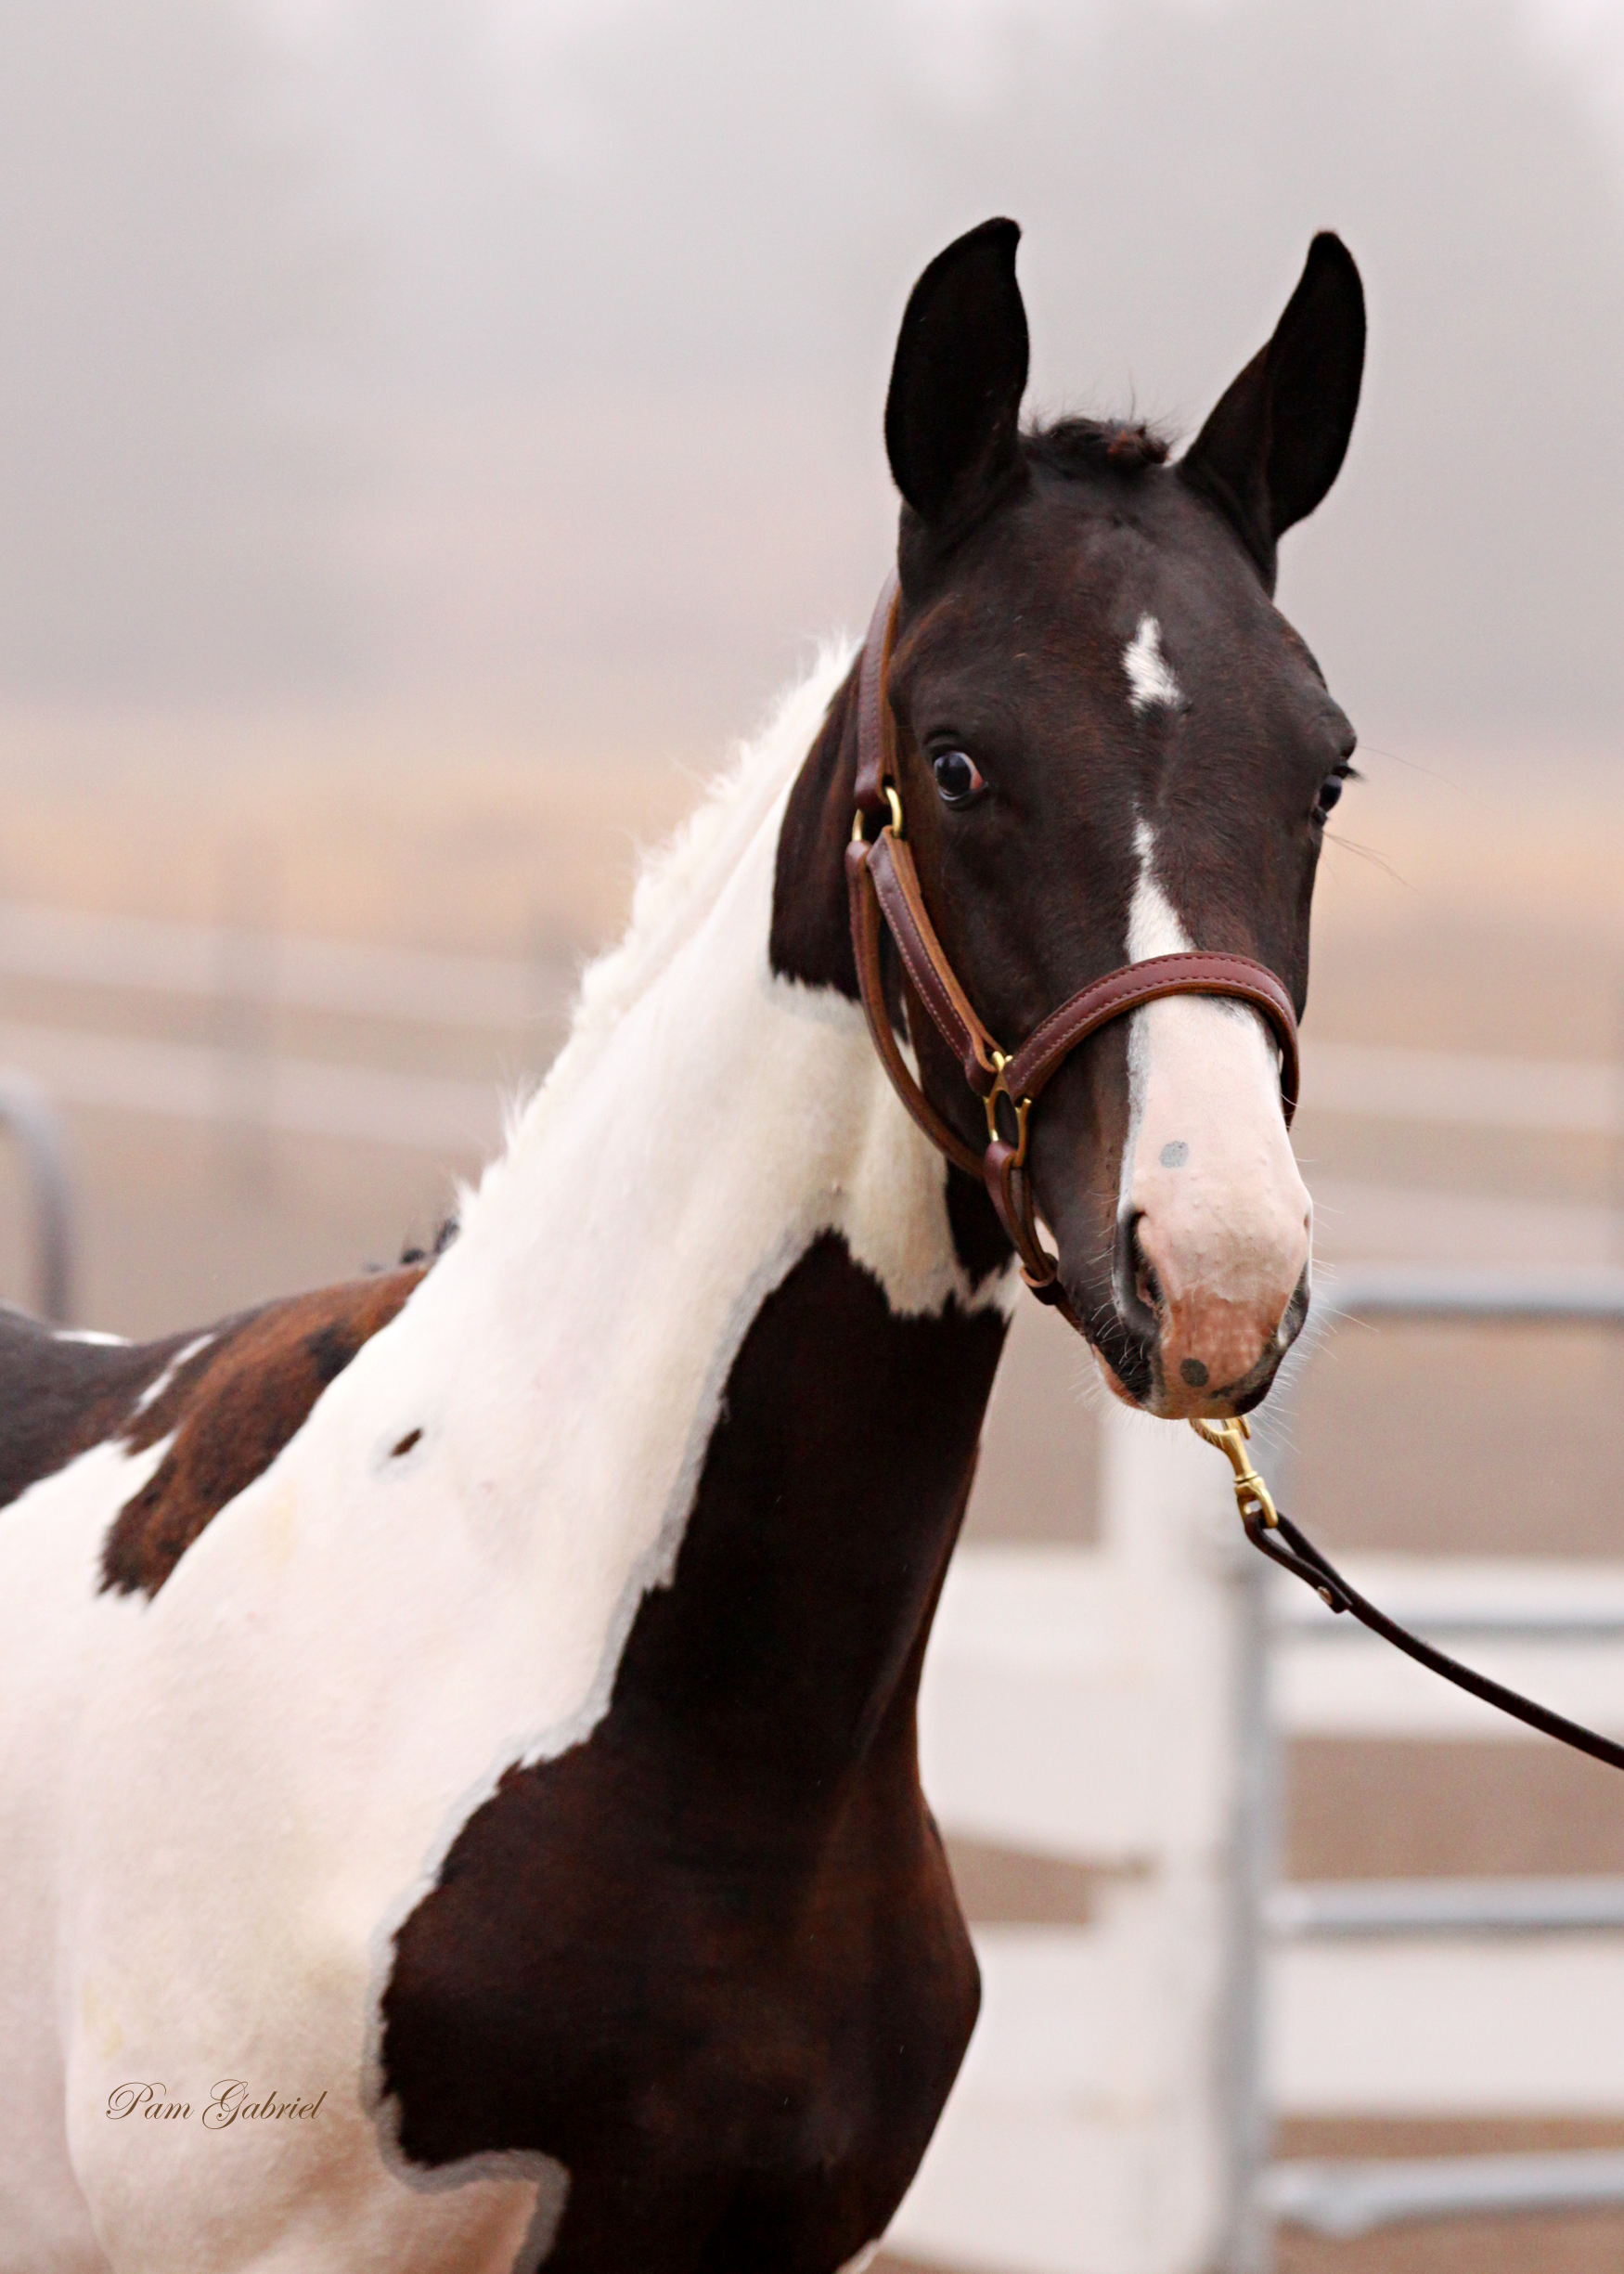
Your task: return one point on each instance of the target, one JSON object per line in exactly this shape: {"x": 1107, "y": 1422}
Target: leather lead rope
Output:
{"x": 884, "y": 890}
{"x": 1284, "y": 1543}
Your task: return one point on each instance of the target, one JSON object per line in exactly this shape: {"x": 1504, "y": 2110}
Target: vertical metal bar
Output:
{"x": 24, "y": 1109}
{"x": 1253, "y": 1866}
{"x": 1249, "y": 2241}
{"x": 1616, "y": 1135}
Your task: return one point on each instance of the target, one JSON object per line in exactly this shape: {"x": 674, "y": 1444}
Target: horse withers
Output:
{"x": 459, "y": 1803}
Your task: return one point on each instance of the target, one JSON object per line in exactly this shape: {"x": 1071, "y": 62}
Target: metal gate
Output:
{"x": 1565, "y": 1624}
{"x": 1123, "y": 1707}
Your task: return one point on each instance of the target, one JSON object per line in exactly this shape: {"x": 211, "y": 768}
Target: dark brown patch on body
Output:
{"x": 711, "y": 1959}
{"x": 59, "y": 1396}
{"x": 231, "y": 1409}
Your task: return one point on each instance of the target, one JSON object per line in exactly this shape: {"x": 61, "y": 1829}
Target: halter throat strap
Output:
{"x": 883, "y": 891}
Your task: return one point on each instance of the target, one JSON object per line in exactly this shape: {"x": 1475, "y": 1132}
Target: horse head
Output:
{"x": 1110, "y": 746}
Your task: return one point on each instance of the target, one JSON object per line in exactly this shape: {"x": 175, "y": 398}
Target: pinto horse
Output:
{"x": 459, "y": 1803}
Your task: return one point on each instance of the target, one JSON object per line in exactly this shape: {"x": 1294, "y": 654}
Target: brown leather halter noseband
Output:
{"x": 883, "y": 888}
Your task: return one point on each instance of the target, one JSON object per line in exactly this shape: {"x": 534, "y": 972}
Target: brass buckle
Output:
{"x": 1021, "y": 1105}
{"x": 1251, "y": 1492}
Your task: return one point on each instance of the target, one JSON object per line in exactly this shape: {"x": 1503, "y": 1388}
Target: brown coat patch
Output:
{"x": 231, "y": 1409}
{"x": 710, "y": 1958}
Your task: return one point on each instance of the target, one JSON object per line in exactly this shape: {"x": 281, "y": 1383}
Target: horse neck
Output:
{"x": 750, "y": 1365}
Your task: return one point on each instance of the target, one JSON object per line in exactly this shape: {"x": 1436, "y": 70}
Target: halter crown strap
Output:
{"x": 876, "y": 748}
{"x": 885, "y": 894}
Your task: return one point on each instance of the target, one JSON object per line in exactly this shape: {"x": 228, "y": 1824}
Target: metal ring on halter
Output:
{"x": 1022, "y": 1107}
{"x": 859, "y": 834}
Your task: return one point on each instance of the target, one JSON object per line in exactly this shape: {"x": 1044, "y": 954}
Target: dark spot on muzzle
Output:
{"x": 1194, "y": 1373}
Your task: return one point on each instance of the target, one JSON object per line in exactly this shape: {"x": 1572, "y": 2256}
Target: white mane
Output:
{"x": 678, "y": 885}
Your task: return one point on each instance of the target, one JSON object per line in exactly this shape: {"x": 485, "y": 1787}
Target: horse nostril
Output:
{"x": 1137, "y": 1288}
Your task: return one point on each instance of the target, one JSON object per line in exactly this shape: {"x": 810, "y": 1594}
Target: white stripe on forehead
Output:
{"x": 1150, "y": 675}
{"x": 1153, "y": 929}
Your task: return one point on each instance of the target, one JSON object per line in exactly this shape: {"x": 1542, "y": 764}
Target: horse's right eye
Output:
{"x": 958, "y": 777}
{"x": 1331, "y": 788}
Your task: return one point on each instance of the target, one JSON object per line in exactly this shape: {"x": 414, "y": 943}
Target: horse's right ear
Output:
{"x": 952, "y": 413}
{"x": 1275, "y": 442}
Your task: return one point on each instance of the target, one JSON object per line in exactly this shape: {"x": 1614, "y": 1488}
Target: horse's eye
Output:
{"x": 958, "y": 777}
{"x": 1331, "y": 788}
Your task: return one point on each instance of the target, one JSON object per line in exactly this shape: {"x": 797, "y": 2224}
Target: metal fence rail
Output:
{"x": 1307, "y": 1910}
{"x": 1346, "y": 2198}
{"x": 356, "y": 978}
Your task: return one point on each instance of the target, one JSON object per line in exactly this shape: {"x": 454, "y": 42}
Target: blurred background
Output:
{"x": 431, "y": 430}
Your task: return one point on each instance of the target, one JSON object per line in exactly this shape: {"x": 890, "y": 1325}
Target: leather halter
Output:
{"x": 883, "y": 888}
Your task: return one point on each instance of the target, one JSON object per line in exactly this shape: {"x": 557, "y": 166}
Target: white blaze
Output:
{"x": 1225, "y": 1219}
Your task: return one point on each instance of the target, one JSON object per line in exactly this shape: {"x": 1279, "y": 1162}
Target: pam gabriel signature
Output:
{"x": 230, "y": 2101}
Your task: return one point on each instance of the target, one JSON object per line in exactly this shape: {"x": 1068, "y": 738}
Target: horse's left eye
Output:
{"x": 958, "y": 777}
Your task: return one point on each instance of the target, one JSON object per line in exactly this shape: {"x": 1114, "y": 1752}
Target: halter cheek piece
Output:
{"x": 883, "y": 888}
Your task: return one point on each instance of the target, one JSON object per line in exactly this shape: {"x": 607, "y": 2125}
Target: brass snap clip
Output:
{"x": 1251, "y": 1492}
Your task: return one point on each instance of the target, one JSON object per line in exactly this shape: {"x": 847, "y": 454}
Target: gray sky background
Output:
{"x": 528, "y": 359}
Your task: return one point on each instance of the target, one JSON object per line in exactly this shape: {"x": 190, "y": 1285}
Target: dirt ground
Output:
{"x": 1482, "y": 915}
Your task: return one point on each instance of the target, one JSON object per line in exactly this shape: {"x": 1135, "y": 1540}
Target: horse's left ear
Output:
{"x": 1275, "y": 442}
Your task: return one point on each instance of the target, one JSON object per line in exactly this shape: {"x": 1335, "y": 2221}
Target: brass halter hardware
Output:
{"x": 1251, "y": 1492}
{"x": 1258, "y": 1513}
{"x": 859, "y": 834}
{"x": 1022, "y": 1106}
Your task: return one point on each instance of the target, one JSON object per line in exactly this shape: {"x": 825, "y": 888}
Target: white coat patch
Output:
{"x": 1150, "y": 675}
